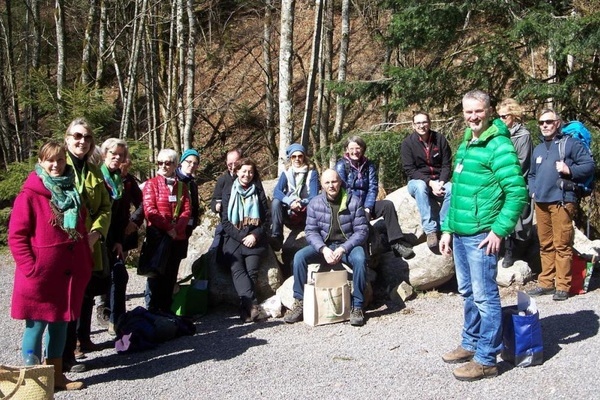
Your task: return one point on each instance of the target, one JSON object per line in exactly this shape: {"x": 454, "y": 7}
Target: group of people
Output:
{"x": 69, "y": 232}
{"x": 72, "y": 222}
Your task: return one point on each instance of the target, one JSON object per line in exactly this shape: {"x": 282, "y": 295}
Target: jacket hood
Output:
{"x": 35, "y": 184}
{"x": 497, "y": 128}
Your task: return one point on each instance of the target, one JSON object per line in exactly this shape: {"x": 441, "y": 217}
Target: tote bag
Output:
{"x": 154, "y": 253}
{"x": 522, "y": 342}
{"x": 327, "y": 300}
{"x": 27, "y": 383}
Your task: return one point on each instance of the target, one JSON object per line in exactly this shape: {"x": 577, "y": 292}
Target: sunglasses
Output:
{"x": 165, "y": 163}
{"x": 504, "y": 116}
{"x": 79, "y": 136}
{"x": 297, "y": 156}
{"x": 546, "y": 122}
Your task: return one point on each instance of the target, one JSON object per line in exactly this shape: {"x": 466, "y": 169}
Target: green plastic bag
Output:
{"x": 192, "y": 299}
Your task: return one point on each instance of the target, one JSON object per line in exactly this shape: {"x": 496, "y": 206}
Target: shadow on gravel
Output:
{"x": 558, "y": 330}
{"x": 219, "y": 336}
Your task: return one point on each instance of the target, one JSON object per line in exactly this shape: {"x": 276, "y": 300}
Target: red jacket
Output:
{"x": 159, "y": 210}
{"x": 52, "y": 270}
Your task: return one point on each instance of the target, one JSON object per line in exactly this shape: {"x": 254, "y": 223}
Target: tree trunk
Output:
{"x": 286, "y": 54}
{"x": 269, "y": 84}
{"x": 60, "y": 53}
{"x": 325, "y": 76}
{"x": 342, "y": 67}
{"x": 87, "y": 43}
{"x": 190, "y": 64}
{"x": 314, "y": 67}
{"x": 101, "y": 44}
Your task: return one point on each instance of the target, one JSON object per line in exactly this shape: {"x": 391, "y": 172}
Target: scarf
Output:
{"x": 64, "y": 201}
{"x": 299, "y": 175}
{"x": 114, "y": 182}
{"x": 243, "y": 208}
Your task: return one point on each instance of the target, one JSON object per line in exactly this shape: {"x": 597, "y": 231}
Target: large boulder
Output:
{"x": 408, "y": 214}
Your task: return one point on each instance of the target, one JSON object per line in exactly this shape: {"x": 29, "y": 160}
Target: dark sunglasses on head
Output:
{"x": 165, "y": 163}
{"x": 79, "y": 136}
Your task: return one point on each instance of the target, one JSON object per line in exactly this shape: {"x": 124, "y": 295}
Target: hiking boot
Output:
{"x": 508, "y": 260}
{"x": 540, "y": 291}
{"x": 473, "y": 371}
{"x": 432, "y": 240}
{"x": 296, "y": 313}
{"x": 560, "y": 295}
{"x": 402, "y": 249}
{"x": 458, "y": 355}
{"x": 357, "y": 318}
{"x": 276, "y": 242}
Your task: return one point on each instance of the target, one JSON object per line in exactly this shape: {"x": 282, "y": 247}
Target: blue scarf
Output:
{"x": 243, "y": 208}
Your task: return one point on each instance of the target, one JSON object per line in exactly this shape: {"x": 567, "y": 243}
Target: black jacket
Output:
{"x": 425, "y": 164}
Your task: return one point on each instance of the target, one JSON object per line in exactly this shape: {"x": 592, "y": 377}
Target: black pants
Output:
{"x": 386, "y": 209}
{"x": 159, "y": 290}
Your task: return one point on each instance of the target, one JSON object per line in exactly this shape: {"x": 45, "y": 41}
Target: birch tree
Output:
{"x": 286, "y": 53}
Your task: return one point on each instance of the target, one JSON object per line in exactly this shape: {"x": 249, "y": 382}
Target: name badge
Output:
{"x": 172, "y": 199}
{"x": 458, "y": 169}
{"x": 538, "y": 160}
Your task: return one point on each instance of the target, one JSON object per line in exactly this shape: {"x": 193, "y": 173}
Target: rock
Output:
{"x": 401, "y": 293}
{"x": 408, "y": 214}
{"x": 584, "y": 245}
{"x": 285, "y": 292}
{"x": 505, "y": 277}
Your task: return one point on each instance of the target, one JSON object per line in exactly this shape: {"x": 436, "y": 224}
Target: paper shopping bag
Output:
{"x": 327, "y": 300}
{"x": 522, "y": 333}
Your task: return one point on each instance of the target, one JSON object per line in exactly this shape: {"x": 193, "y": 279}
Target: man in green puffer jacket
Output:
{"x": 488, "y": 195}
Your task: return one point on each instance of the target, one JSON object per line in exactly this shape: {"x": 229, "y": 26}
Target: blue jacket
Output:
{"x": 284, "y": 191}
{"x": 359, "y": 180}
{"x": 351, "y": 217}
{"x": 543, "y": 175}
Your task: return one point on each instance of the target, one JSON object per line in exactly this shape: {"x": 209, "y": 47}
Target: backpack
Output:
{"x": 578, "y": 131}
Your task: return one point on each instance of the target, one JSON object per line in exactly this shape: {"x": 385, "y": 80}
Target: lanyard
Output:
{"x": 179, "y": 196}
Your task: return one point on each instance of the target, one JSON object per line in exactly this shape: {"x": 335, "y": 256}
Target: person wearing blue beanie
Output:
{"x": 188, "y": 165}
{"x": 296, "y": 186}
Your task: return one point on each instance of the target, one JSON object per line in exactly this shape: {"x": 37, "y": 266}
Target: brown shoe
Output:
{"x": 473, "y": 371}
{"x": 458, "y": 355}
{"x": 432, "y": 240}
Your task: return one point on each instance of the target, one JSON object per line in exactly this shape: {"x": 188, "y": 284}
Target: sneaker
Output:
{"x": 403, "y": 250}
{"x": 357, "y": 318}
{"x": 296, "y": 313}
{"x": 458, "y": 355}
{"x": 111, "y": 329}
{"x": 540, "y": 291}
{"x": 473, "y": 371}
{"x": 560, "y": 295}
{"x": 432, "y": 240}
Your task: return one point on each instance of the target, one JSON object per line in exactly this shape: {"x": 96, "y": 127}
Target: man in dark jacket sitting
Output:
{"x": 336, "y": 229}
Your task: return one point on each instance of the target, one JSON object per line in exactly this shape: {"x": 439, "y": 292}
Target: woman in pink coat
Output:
{"x": 48, "y": 240}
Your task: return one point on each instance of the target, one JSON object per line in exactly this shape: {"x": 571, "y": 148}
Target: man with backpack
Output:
{"x": 560, "y": 163}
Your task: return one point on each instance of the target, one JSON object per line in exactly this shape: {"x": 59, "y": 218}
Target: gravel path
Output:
{"x": 396, "y": 355}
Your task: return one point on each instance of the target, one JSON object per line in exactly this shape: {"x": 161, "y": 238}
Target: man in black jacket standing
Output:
{"x": 427, "y": 162}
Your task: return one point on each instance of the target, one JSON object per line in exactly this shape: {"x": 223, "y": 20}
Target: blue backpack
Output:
{"x": 578, "y": 131}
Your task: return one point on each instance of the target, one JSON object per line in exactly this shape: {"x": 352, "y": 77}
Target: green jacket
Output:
{"x": 488, "y": 189}
{"x": 97, "y": 202}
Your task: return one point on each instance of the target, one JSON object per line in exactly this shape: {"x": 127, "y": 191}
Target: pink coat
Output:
{"x": 52, "y": 270}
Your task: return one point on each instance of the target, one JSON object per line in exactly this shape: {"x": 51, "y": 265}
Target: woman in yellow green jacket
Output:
{"x": 79, "y": 140}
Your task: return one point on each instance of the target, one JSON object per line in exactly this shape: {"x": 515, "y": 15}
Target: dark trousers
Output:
{"x": 118, "y": 290}
{"x": 244, "y": 264}
{"x": 386, "y": 209}
{"x": 159, "y": 290}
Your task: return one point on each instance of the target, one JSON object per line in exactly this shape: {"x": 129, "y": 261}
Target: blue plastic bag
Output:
{"x": 521, "y": 337}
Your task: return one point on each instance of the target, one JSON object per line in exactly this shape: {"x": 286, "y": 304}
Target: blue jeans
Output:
{"x": 356, "y": 260}
{"x": 476, "y": 275}
{"x": 419, "y": 190}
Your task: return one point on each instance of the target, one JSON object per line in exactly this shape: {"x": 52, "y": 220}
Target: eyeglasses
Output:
{"x": 190, "y": 162}
{"x": 504, "y": 116}
{"x": 79, "y": 136}
{"x": 297, "y": 156}
{"x": 546, "y": 122}
{"x": 165, "y": 163}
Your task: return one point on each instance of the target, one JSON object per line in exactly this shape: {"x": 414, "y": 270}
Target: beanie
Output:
{"x": 294, "y": 147}
{"x": 187, "y": 153}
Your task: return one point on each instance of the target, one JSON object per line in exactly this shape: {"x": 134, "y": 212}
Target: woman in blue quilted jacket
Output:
{"x": 359, "y": 177}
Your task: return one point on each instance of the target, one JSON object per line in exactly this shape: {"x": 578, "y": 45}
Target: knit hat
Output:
{"x": 294, "y": 147}
{"x": 187, "y": 153}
